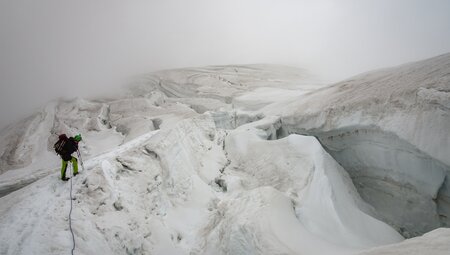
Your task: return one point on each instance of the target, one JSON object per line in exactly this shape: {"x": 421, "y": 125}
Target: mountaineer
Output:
{"x": 65, "y": 147}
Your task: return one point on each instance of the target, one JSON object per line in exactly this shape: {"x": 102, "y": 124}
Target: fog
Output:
{"x": 62, "y": 48}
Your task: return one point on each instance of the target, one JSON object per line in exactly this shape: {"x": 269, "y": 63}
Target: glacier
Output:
{"x": 390, "y": 130}
{"x": 254, "y": 159}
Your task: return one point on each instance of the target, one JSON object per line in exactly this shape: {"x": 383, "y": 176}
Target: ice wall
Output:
{"x": 403, "y": 183}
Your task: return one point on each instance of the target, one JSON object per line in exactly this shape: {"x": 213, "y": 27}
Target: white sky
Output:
{"x": 51, "y": 48}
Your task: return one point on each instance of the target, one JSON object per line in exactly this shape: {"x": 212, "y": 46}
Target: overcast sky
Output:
{"x": 51, "y": 48}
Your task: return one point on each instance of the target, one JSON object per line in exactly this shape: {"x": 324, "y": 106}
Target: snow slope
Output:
{"x": 207, "y": 161}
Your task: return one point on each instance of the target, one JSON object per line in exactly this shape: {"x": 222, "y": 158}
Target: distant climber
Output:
{"x": 65, "y": 147}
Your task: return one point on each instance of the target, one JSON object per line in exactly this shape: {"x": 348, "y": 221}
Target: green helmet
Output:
{"x": 77, "y": 138}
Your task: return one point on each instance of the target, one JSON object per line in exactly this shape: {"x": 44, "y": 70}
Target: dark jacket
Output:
{"x": 70, "y": 147}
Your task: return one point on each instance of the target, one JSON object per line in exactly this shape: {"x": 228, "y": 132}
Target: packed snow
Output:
{"x": 254, "y": 159}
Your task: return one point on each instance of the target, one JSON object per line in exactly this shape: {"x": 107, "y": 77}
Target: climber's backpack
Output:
{"x": 59, "y": 145}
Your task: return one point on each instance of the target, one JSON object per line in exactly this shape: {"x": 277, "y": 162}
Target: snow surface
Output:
{"x": 214, "y": 160}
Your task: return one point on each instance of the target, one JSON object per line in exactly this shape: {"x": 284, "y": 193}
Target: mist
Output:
{"x": 56, "y": 48}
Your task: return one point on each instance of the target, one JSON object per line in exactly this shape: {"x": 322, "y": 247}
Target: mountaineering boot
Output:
{"x": 65, "y": 179}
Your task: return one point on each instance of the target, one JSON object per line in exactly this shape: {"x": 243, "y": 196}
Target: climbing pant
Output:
{"x": 64, "y": 167}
